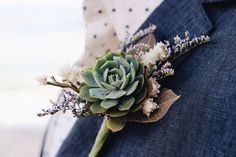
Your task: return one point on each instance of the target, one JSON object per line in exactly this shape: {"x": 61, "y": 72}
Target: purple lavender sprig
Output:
{"x": 67, "y": 101}
{"x": 183, "y": 45}
{"x": 131, "y": 40}
{"x": 163, "y": 68}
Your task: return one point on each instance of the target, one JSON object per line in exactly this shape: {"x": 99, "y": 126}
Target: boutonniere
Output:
{"x": 124, "y": 85}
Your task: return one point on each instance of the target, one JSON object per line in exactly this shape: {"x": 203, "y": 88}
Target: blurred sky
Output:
{"x": 36, "y": 37}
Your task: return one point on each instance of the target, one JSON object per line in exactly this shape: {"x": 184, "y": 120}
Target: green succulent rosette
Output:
{"x": 114, "y": 86}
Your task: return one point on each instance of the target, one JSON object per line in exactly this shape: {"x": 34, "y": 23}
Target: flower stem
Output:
{"x": 100, "y": 139}
{"x": 62, "y": 85}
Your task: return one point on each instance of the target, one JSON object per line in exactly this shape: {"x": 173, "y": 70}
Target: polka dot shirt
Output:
{"x": 109, "y": 21}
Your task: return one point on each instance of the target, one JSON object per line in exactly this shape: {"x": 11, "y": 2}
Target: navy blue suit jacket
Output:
{"x": 201, "y": 123}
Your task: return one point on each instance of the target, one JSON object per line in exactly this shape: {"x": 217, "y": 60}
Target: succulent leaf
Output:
{"x": 115, "y": 94}
{"x": 126, "y": 103}
{"x": 109, "y": 65}
{"x": 131, "y": 88}
{"x": 96, "y": 108}
{"x": 116, "y": 71}
{"x": 107, "y": 86}
{"x": 111, "y": 79}
{"x": 98, "y": 63}
{"x": 131, "y": 59}
{"x": 140, "y": 96}
{"x": 141, "y": 83}
{"x": 116, "y": 124}
{"x": 122, "y": 61}
{"x": 85, "y": 95}
{"x": 88, "y": 78}
{"x": 98, "y": 78}
{"x": 99, "y": 93}
{"x": 141, "y": 69}
{"x": 109, "y": 56}
{"x": 109, "y": 103}
{"x": 105, "y": 74}
{"x": 117, "y": 83}
{"x": 117, "y": 77}
{"x": 125, "y": 81}
{"x": 122, "y": 69}
{"x": 133, "y": 73}
{"x": 117, "y": 113}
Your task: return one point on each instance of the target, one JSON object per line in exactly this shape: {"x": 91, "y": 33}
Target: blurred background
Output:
{"x": 36, "y": 37}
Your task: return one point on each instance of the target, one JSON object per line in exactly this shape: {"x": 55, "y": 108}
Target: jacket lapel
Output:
{"x": 174, "y": 17}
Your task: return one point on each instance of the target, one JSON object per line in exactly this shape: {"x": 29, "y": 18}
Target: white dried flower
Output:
{"x": 149, "y": 106}
{"x": 70, "y": 73}
{"x": 155, "y": 87}
{"x": 82, "y": 105}
{"x": 42, "y": 79}
{"x": 65, "y": 71}
{"x": 156, "y": 54}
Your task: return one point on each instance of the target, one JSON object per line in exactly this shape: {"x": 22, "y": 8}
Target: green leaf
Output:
{"x": 115, "y": 94}
{"x": 141, "y": 69}
{"x": 140, "y": 96}
{"x": 141, "y": 83}
{"x": 125, "y": 81}
{"x": 98, "y": 63}
{"x": 99, "y": 93}
{"x": 110, "y": 55}
{"x": 136, "y": 107}
{"x": 122, "y": 69}
{"x": 122, "y": 54}
{"x": 116, "y": 124}
{"x": 109, "y": 103}
{"x": 109, "y": 65}
{"x": 126, "y": 103}
{"x": 85, "y": 95}
{"x": 122, "y": 61}
{"x": 131, "y": 59}
{"x": 107, "y": 86}
{"x": 98, "y": 78}
{"x": 133, "y": 73}
{"x": 117, "y": 113}
{"x": 117, "y": 83}
{"x": 117, "y": 77}
{"x": 88, "y": 78}
{"x": 111, "y": 79}
{"x": 131, "y": 88}
{"x": 116, "y": 71}
{"x": 96, "y": 108}
{"x": 105, "y": 74}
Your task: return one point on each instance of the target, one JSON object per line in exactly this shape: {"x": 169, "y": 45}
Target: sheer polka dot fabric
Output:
{"x": 108, "y": 21}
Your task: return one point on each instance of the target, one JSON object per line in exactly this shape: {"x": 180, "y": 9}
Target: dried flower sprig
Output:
{"x": 138, "y": 49}
{"x": 68, "y": 101}
{"x": 42, "y": 80}
{"x": 161, "y": 67}
{"x": 183, "y": 45}
{"x": 131, "y": 40}
{"x": 141, "y": 33}
{"x": 71, "y": 78}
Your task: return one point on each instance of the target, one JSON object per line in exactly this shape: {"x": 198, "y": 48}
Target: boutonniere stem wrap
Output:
{"x": 124, "y": 85}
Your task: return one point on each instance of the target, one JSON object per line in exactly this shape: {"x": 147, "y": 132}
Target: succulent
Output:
{"x": 115, "y": 85}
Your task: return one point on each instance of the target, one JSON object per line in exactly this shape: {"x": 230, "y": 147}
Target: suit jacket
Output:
{"x": 203, "y": 121}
